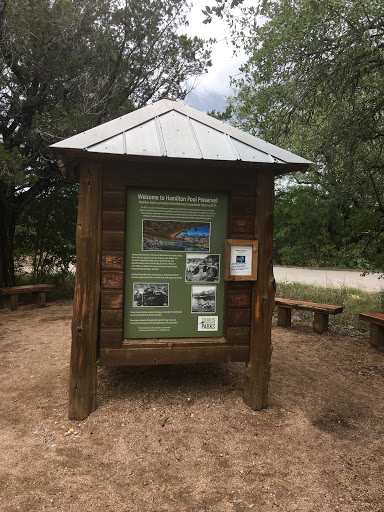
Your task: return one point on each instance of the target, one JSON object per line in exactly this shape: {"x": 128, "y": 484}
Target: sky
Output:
{"x": 213, "y": 88}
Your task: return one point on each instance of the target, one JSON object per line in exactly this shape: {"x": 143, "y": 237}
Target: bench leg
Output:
{"x": 284, "y": 317}
{"x": 39, "y": 299}
{"x": 10, "y": 301}
{"x": 320, "y": 322}
{"x": 377, "y": 336}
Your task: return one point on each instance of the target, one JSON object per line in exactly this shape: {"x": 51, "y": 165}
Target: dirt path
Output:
{"x": 180, "y": 439}
{"x": 329, "y": 277}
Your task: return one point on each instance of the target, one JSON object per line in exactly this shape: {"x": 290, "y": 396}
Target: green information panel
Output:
{"x": 174, "y": 286}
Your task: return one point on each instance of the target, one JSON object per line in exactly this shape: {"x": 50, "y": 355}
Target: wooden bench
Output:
{"x": 377, "y": 328}
{"x": 321, "y": 311}
{"x": 10, "y": 296}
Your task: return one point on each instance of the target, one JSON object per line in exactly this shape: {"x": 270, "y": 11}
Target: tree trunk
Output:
{"x": 7, "y": 236}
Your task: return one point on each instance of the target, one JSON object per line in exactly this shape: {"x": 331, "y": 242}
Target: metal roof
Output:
{"x": 170, "y": 129}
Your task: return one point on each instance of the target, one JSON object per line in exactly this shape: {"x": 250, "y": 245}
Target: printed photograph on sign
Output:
{"x": 202, "y": 268}
{"x": 173, "y": 235}
{"x": 150, "y": 294}
{"x": 207, "y": 323}
{"x": 203, "y": 299}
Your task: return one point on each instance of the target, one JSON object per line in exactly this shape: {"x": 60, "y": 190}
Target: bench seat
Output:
{"x": 321, "y": 312}
{"x": 9, "y": 296}
{"x": 377, "y": 328}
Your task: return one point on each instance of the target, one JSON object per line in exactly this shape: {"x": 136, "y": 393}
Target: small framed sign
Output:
{"x": 241, "y": 260}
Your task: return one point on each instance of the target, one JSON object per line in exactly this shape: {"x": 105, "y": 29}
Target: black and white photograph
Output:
{"x": 202, "y": 268}
{"x": 150, "y": 294}
{"x": 203, "y": 299}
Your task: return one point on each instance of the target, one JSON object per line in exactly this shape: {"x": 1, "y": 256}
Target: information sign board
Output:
{"x": 175, "y": 244}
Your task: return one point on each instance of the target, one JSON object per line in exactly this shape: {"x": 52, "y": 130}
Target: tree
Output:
{"x": 311, "y": 229}
{"x": 313, "y": 83}
{"x": 301, "y": 210}
{"x": 69, "y": 65}
{"x": 45, "y": 232}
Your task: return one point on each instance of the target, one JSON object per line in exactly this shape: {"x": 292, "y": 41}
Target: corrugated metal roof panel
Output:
{"x": 247, "y": 138}
{"x": 250, "y": 154}
{"x": 114, "y": 127}
{"x": 169, "y": 128}
{"x": 213, "y": 143}
{"x": 178, "y": 137}
{"x": 143, "y": 140}
{"x": 113, "y": 145}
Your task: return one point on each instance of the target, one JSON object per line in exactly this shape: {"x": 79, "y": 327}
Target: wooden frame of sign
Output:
{"x": 241, "y": 260}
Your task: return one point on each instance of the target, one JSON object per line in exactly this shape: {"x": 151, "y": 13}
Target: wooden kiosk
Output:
{"x": 174, "y": 246}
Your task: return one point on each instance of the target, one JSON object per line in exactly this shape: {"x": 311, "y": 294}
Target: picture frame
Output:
{"x": 241, "y": 260}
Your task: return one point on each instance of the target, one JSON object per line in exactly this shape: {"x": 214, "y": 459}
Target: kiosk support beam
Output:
{"x": 82, "y": 382}
{"x": 257, "y": 369}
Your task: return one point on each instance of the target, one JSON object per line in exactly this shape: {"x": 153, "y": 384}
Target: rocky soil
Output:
{"x": 180, "y": 439}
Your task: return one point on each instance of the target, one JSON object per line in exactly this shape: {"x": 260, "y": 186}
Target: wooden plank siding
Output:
{"x": 112, "y": 266}
{"x": 114, "y": 220}
{"x": 112, "y": 279}
{"x": 240, "y": 188}
{"x": 154, "y": 355}
{"x": 113, "y": 241}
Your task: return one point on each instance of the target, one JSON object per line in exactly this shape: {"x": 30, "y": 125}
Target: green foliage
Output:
{"x": 222, "y": 116}
{"x": 353, "y": 300}
{"x": 45, "y": 235}
{"x": 11, "y": 165}
{"x": 69, "y": 65}
{"x": 298, "y": 212}
{"x": 313, "y": 84}
{"x": 318, "y": 228}
{"x": 219, "y": 9}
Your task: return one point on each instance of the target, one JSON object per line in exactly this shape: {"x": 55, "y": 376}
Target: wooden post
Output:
{"x": 377, "y": 336}
{"x": 257, "y": 370}
{"x": 10, "y": 301}
{"x": 284, "y": 317}
{"x": 82, "y": 383}
{"x": 39, "y": 299}
{"x": 320, "y": 322}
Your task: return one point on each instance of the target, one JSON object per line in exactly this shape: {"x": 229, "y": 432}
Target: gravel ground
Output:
{"x": 180, "y": 439}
